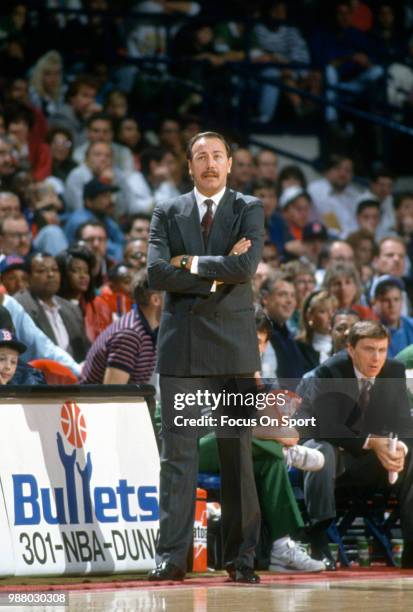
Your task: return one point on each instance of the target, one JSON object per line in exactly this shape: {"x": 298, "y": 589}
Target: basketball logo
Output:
{"x": 73, "y": 424}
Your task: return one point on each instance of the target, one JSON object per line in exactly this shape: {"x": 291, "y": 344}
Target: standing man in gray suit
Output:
{"x": 204, "y": 249}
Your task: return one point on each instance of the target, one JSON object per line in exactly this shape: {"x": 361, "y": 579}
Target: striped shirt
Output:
{"x": 285, "y": 41}
{"x": 128, "y": 344}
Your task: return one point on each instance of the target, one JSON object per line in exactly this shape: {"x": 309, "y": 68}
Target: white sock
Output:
{"x": 280, "y": 542}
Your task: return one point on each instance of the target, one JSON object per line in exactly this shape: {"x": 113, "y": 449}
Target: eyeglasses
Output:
{"x": 137, "y": 255}
{"x": 95, "y": 239}
{"x": 48, "y": 208}
{"x": 17, "y": 235}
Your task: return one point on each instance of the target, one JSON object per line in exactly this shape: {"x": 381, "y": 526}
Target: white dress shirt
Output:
{"x": 360, "y": 378}
{"x": 202, "y": 208}
{"x": 56, "y": 323}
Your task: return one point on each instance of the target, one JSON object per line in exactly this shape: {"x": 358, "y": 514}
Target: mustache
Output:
{"x": 210, "y": 174}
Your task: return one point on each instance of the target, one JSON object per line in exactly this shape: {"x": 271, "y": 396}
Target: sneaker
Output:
{"x": 304, "y": 458}
{"x": 291, "y": 557}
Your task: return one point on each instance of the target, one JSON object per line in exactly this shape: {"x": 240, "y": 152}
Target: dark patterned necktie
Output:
{"x": 207, "y": 220}
{"x": 355, "y": 422}
{"x": 364, "y": 397}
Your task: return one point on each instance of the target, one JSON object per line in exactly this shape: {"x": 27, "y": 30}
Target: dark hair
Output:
{"x": 400, "y": 197}
{"x": 78, "y": 234}
{"x": 130, "y": 219}
{"x": 99, "y": 117}
{"x": 291, "y": 171}
{"x": 82, "y": 80}
{"x": 385, "y": 286}
{"x": 262, "y": 322}
{"x": 151, "y": 154}
{"x": 65, "y": 260}
{"x": 200, "y": 135}
{"x": 367, "y": 204}
{"x": 335, "y": 160}
{"x": 355, "y": 238}
{"x": 59, "y": 130}
{"x": 382, "y": 171}
{"x": 37, "y": 255}
{"x": 367, "y": 329}
{"x": 345, "y": 312}
{"x": 15, "y": 112}
{"x": 263, "y": 184}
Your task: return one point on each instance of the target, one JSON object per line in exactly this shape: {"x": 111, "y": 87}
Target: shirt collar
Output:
{"x": 54, "y": 307}
{"x": 361, "y": 376}
{"x": 200, "y": 197}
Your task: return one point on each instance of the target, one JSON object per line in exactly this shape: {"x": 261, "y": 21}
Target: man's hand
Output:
{"x": 241, "y": 247}
{"x": 392, "y": 462}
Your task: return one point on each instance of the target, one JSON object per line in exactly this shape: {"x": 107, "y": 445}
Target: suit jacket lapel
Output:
{"x": 222, "y": 224}
{"x": 189, "y": 225}
{"x": 41, "y": 320}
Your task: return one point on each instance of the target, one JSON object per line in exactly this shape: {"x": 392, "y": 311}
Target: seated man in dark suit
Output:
{"x": 58, "y": 318}
{"x": 360, "y": 399}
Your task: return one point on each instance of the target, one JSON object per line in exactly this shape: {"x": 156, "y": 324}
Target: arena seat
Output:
{"x": 54, "y": 372}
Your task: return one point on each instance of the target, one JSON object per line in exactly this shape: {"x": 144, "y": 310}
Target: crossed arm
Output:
{"x": 166, "y": 273}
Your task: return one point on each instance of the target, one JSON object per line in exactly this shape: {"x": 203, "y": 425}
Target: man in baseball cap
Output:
{"x": 315, "y": 237}
{"x": 98, "y": 203}
{"x": 13, "y": 273}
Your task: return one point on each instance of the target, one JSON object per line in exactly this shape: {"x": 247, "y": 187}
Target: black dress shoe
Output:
{"x": 166, "y": 571}
{"x": 407, "y": 555}
{"x": 242, "y": 573}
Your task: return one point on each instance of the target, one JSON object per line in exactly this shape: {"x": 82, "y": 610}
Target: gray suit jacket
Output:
{"x": 72, "y": 319}
{"x": 204, "y": 333}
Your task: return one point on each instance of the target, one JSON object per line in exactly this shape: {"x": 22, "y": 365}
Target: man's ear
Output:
{"x": 350, "y": 350}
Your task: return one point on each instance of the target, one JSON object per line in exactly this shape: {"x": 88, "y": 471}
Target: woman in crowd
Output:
{"x": 128, "y": 133}
{"x": 61, "y": 146}
{"x": 76, "y": 265}
{"x": 343, "y": 282}
{"x": 314, "y": 339}
{"x": 46, "y": 91}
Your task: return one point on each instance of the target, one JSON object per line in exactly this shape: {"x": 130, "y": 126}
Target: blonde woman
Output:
{"x": 46, "y": 90}
{"x": 315, "y": 340}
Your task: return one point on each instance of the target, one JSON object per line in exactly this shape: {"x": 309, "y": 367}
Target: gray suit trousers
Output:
{"x": 178, "y": 480}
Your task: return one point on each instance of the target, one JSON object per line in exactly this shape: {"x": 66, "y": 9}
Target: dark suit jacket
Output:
{"x": 72, "y": 319}
{"x": 334, "y": 403}
{"x": 203, "y": 332}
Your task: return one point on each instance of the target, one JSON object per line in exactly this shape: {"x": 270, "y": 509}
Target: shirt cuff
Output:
{"x": 405, "y": 447}
{"x": 194, "y": 265}
{"x": 366, "y": 444}
{"x": 214, "y": 287}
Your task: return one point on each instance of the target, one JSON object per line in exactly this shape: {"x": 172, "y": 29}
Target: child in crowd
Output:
{"x": 10, "y": 349}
